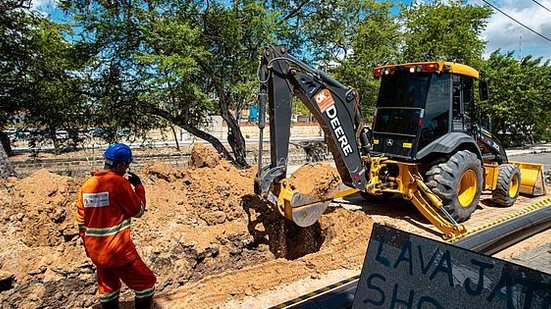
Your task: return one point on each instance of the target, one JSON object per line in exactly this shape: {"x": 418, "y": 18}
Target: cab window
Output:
{"x": 436, "y": 117}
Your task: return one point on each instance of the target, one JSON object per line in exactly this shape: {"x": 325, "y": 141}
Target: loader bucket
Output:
{"x": 531, "y": 175}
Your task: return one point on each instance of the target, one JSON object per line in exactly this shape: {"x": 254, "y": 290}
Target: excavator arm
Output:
{"x": 335, "y": 106}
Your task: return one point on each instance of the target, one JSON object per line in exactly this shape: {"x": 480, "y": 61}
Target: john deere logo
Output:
{"x": 389, "y": 142}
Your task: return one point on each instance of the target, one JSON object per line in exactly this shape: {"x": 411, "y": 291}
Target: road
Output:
{"x": 542, "y": 158}
{"x": 534, "y": 252}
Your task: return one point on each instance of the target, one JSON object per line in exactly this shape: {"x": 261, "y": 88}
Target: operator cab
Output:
{"x": 419, "y": 103}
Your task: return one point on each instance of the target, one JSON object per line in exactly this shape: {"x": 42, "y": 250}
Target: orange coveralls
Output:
{"x": 106, "y": 202}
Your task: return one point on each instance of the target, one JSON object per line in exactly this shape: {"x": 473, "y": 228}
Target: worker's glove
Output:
{"x": 134, "y": 179}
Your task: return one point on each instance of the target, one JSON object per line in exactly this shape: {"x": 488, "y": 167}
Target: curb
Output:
{"x": 513, "y": 153}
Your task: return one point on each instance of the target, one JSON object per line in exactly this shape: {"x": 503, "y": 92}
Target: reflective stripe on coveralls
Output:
{"x": 145, "y": 293}
{"x": 109, "y": 297}
{"x": 112, "y": 230}
{"x": 107, "y": 231}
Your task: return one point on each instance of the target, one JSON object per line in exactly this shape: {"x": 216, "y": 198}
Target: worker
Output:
{"x": 106, "y": 203}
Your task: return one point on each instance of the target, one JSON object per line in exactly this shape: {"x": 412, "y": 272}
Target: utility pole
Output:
{"x": 520, "y": 47}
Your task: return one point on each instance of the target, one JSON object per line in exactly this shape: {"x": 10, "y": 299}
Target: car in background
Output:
{"x": 97, "y": 132}
{"x": 124, "y": 132}
{"x": 10, "y": 133}
{"x": 21, "y": 135}
{"x": 61, "y": 134}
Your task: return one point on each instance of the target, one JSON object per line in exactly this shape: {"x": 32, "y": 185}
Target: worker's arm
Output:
{"x": 131, "y": 199}
{"x": 79, "y": 215}
{"x": 139, "y": 190}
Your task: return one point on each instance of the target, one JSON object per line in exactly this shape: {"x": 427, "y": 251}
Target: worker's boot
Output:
{"x": 112, "y": 304}
{"x": 143, "y": 303}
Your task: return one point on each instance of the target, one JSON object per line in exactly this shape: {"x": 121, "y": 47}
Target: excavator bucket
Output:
{"x": 304, "y": 210}
{"x": 531, "y": 175}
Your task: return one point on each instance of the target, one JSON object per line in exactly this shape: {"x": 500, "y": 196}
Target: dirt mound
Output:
{"x": 46, "y": 201}
{"x": 162, "y": 171}
{"x": 202, "y": 156}
{"x": 41, "y": 256}
{"x": 215, "y": 191}
{"x": 316, "y": 179}
{"x": 201, "y": 221}
{"x": 346, "y": 238}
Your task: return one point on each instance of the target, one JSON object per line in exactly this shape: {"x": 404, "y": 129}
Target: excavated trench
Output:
{"x": 203, "y": 229}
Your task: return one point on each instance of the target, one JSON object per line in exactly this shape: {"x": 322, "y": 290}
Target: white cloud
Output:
{"x": 42, "y": 5}
{"x": 504, "y": 33}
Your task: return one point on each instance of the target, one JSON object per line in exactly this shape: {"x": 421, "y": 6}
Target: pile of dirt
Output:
{"x": 40, "y": 257}
{"x": 203, "y": 223}
{"x": 346, "y": 235}
{"x": 46, "y": 201}
{"x": 204, "y": 157}
{"x": 216, "y": 187}
{"x": 316, "y": 179}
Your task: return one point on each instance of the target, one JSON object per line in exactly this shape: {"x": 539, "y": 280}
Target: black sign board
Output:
{"x": 402, "y": 270}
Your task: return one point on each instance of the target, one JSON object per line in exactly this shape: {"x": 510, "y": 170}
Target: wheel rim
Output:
{"x": 514, "y": 186}
{"x": 467, "y": 188}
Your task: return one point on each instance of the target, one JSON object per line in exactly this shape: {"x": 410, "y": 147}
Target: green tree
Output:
{"x": 444, "y": 30}
{"x": 38, "y": 73}
{"x": 375, "y": 42}
{"x": 178, "y": 60}
{"x": 15, "y": 28}
{"x": 518, "y": 106}
{"x": 345, "y": 38}
{"x": 54, "y": 83}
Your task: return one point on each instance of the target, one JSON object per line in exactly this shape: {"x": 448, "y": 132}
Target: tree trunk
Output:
{"x": 5, "y": 143}
{"x": 209, "y": 138}
{"x": 236, "y": 141}
{"x": 235, "y": 137}
{"x": 175, "y": 138}
{"x": 6, "y": 169}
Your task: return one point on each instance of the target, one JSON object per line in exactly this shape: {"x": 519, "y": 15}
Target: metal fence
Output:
{"x": 75, "y": 167}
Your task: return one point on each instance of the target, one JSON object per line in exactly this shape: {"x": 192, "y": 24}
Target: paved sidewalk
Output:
{"x": 537, "y": 148}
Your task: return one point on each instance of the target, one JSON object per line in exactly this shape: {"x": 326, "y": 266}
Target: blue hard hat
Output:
{"x": 118, "y": 152}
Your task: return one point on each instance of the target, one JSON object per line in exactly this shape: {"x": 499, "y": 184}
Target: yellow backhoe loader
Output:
{"x": 424, "y": 143}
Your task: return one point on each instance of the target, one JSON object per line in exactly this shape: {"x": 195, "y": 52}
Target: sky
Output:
{"x": 501, "y": 32}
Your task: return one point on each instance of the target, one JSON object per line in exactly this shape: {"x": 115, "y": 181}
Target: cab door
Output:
{"x": 462, "y": 103}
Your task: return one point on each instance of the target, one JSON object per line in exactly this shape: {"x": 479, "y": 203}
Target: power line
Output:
{"x": 541, "y": 5}
{"x": 518, "y": 22}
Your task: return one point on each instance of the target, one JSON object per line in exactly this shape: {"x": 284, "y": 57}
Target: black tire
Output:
{"x": 508, "y": 185}
{"x": 458, "y": 182}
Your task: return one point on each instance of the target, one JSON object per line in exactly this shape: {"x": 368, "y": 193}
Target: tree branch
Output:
{"x": 182, "y": 122}
{"x": 294, "y": 12}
